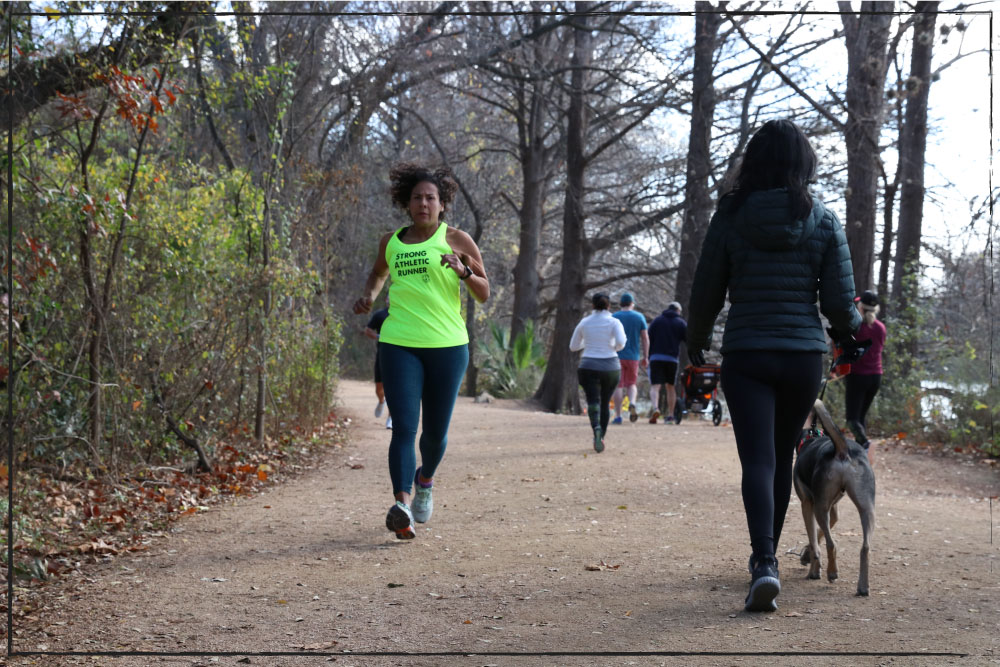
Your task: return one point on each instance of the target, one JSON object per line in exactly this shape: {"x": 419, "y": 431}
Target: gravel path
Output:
{"x": 636, "y": 556}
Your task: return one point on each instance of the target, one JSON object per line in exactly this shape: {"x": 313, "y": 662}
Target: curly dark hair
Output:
{"x": 406, "y": 175}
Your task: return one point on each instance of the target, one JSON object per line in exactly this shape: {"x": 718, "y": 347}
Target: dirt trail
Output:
{"x": 539, "y": 545}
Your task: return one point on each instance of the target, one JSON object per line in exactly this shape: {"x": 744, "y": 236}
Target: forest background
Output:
{"x": 194, "y": 192}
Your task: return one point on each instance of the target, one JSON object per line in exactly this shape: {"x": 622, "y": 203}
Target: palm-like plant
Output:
{"x": 512, "y": 369}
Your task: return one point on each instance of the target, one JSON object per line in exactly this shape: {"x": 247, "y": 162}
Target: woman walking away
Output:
{"x": 865, "y": 378}
{"x": 600, "y": 336}
{"x": 423, "y": 344}
{"x": 773, "y": 247}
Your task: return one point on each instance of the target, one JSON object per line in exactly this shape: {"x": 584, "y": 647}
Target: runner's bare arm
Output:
{"x": 467, "y": 255}
{"x": 376, "y": 279}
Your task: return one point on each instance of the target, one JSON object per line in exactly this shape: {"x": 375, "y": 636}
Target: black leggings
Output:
{"x": 769, "y": 395}
{"x": 859, "y": 392}
{"x": 598, "y": 386}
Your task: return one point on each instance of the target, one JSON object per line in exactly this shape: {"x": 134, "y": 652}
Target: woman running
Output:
{"x": 773, "y": 247}
{"x": 423, "y": 345}
{"x": 600, "y": 336}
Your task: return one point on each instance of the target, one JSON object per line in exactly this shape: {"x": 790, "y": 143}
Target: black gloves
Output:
{"x": 850, "y": 349}
{"x": 696, "y": 357}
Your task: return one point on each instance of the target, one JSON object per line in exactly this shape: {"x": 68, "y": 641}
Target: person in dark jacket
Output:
{"x": 666, "y": 334}
{"x": 372, "y": 330}
{"x": 774, "y": 247}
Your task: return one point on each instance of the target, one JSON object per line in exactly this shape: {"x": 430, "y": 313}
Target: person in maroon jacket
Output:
{"x": 863, "y": 382}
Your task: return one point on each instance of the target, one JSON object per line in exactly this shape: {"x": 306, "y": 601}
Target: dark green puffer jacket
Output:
{"x": 773, "y": 267}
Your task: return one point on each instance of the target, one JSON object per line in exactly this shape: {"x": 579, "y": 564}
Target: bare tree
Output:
{"x": 912, "y": 149}
{"x": 698, "y": 195}
{"x": 558, "y": 388}
{"x": 867, "y": 37}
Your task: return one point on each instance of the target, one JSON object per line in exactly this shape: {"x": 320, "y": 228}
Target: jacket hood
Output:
{"x": 765, "y": 219}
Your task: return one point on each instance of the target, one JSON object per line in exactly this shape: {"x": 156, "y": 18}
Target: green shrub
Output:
{"x": 512, "y": 370}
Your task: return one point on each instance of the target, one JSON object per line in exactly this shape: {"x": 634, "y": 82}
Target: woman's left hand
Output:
{"x": 456, "y": 264}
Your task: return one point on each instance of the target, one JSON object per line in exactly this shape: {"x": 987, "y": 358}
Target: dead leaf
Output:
{"x": 793, "y": 613}
{"x": 316, "y": 647}
{"x": 602, "y": 567}
{"x": 98, "y": 546}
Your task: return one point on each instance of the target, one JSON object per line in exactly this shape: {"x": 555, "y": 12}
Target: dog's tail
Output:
{"x": 831, "y": 430}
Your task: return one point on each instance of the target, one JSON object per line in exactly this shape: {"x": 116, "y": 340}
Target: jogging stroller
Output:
{"x": 698, "y": 391}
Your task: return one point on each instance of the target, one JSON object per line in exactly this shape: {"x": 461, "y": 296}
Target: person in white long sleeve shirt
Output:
{"x": 600, "y": 336}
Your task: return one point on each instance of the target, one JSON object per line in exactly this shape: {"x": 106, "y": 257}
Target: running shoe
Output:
{"x": 616, "y": 420}
{"x": 400, "y": 521}
{"x": 598, "y": 440}
{"x": 380, "y": 408}
{"x": 388, "y": 422}
{"x": 633, "y": 414}
{"x": 765, "y": 586}
{"x": 423, "y": 501}
{"x": 669, "y": 419}
{"x": 653, "y": 417}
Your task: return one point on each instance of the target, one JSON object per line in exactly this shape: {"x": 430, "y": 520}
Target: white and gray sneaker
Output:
{"x": 380, "y": 408}
{"x": 388, "y": 422}
{"x": 423, "y": 501}
{"x": 400, "y": 521}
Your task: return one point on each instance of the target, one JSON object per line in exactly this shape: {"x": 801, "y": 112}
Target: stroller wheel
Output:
{"x": 678, "y": 411}
{"x": 716, "y": 413}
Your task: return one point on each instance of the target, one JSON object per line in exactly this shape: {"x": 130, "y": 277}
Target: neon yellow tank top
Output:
{"x": 425, "y": 303}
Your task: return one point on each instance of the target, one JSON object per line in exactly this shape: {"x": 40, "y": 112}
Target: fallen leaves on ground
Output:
{"x": 68, "y": 520}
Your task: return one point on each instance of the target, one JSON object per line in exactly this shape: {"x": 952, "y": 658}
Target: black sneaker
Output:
{"x": 764, "y": 586}
{"x": 598, "y": 440}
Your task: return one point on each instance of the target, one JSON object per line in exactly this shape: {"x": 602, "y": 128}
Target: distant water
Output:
{"x": 931, "y": 403}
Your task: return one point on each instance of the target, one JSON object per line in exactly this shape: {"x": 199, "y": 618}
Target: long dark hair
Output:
{"x": 778, "y": 156}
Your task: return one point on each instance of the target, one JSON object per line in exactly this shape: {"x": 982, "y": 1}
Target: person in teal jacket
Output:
{"x": 774, "y": 248}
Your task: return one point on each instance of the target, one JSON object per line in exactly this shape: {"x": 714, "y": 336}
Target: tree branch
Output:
{"x": 823, "y": 111}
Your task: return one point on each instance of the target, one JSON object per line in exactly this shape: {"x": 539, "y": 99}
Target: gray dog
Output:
{"x": 826, "y": 468}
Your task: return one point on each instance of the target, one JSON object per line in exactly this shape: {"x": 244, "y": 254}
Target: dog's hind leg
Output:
{"x": 866, "y": 509}
{"x": 812, "y": 551}
{"x": 823, "y": 518}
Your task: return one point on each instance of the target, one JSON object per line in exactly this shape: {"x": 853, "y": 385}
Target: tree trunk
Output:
{"x": 698, "y": 196}
{"x": 913, "y": 145}
{"x": 867, "y": 37}
{"x": 262, "y": 340}
{"x": 885, "y": 256}
{"x": 558, "y": 390}
{"x": 526, "y": 281}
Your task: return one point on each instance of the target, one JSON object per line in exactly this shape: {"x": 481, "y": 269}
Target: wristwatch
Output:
{"x": 468, "y": 272}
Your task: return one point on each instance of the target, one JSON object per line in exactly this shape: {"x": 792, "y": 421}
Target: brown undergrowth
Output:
{"x": 65, "y": 522}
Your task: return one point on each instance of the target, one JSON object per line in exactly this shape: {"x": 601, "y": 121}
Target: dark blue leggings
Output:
{"x": 411, "y": 376}
{"x": 769, "y": 395}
